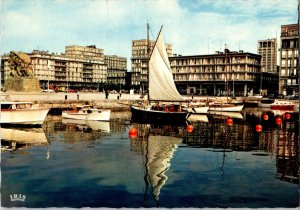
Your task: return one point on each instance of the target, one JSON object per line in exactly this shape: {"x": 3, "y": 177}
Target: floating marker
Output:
{"x": 190, "y": 128}
{"x": 258, "y": 128}
{"x": 133, "y": 132}
{"x": 278, "y": 120}
{"x": 265, "y": 117}
{"x": 229, "y": 121}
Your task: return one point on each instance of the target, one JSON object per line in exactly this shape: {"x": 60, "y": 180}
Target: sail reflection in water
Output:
{"x": 217, "y": 165}
{"x": 157, "y": 152}
{"x": 14, "y": 138}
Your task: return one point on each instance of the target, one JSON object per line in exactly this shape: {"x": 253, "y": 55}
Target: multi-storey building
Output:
{"x": 80, "y": 68}
{"x": 116, "y": 69}
{"x": 232, "y": 73}
{"x": 139, "y": 60}
{"x": 288, "y": 74}
{"x": 268, "y": 51}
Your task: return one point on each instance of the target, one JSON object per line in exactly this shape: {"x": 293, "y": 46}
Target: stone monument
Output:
{"x": 21, "y": 74}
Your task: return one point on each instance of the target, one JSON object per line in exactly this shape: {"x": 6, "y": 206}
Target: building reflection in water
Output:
{"x": 277, "y": 140}
{"x": 287, "y": 152}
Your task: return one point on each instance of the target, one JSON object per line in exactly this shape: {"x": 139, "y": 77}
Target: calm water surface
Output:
{"x": 75, "y": 164}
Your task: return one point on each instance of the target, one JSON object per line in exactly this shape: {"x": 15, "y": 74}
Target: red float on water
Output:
{"x": 265, "y": 117}
{"x": 133, "y": 132}
{"x": 278, "y": 120}
{"x": 287, "y": 116}
{"x": 229, "y": 121}
{"x": 258, "y": 128}
{"x": 190, "y": 128}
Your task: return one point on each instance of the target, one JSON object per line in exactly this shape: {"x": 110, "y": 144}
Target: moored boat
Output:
{"x": 165, "y": 114}
{"x": 22, "y": 113}
{"x": 225, "y": 107}
{"x": 197, "y": 107}
{"x": 87, "y": 112}
{"x": 161, "y": 90}
{"x": 282, "y": 105}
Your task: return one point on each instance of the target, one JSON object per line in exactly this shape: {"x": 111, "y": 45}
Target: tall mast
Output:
{"x": 148, "y": 59}
{"x": 226, "y": 76}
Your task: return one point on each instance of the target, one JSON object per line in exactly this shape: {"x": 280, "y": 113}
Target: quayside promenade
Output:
{"x": 67, "y": 100}
{"x": 115, "y": 102}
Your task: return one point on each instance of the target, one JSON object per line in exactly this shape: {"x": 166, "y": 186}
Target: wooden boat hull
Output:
{"x": 34, "y": 117}
{"x": 142, "y": 115}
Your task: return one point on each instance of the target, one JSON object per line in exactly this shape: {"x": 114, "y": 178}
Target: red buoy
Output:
{"x": 278, "y": 120}
{"x": 229, "y": 121}
{"x": 133, "y": 132}
{"x": 190, "y": 128}
{"x": 287, "y": 116}
{"x": 258, "y": 128}
{"x": 265, "y": 117}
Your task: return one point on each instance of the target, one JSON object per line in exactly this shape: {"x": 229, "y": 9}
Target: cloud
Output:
{"x": 193, "y": 27}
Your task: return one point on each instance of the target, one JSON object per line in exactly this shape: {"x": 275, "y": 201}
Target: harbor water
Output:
{"x": 216, "y": 162}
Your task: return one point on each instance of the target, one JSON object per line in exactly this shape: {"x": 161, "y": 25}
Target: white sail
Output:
{"x": 161, "y": 82}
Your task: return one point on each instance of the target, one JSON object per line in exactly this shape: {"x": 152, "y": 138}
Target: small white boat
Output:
{"x": 282, "y": 105}
{"x": 197, "y": 108}
{"x": 225, "y": 107}
{"x": 22, "y": 113}
{"x": 87, "y": 112}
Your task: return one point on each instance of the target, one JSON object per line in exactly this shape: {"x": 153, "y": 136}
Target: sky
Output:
{"x": 193, "y": 27}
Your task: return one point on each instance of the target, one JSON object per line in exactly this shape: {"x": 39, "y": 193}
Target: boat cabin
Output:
{"x": 16, "y": 105}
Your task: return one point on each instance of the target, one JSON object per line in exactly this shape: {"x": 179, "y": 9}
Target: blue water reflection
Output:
{"x": 216, "y": 165}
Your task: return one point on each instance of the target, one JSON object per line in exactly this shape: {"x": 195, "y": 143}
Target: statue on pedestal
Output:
{"x": 20, "y": 64}
{"x": 21, "y": 74}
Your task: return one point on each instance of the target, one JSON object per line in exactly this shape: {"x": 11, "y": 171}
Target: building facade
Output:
{"x": 232, "y": 73}
{"x": 139, "y": 61}
{"x": 289, "y": 54}
{"x": 116, "y": 69}
{"x": 79, "y": 68}
{"x": 267, "y": 49}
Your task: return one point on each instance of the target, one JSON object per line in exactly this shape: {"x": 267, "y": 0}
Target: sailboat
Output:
{"x": 163, "y": 103}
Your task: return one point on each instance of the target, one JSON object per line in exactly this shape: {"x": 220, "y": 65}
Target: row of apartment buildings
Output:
{"x": 80, "y": 67}
{"x": 237, "y": 73}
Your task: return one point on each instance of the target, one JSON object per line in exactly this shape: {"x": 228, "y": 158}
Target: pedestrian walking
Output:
{"x": 106, "y": 94}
